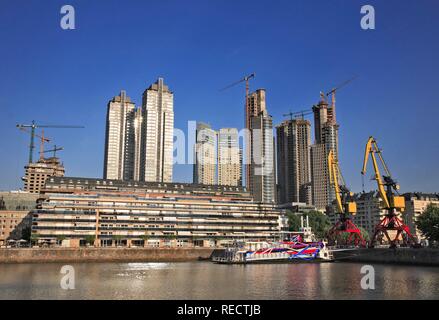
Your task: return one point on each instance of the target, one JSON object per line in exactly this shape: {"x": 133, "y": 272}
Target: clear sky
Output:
{"x": 297, "y": 48}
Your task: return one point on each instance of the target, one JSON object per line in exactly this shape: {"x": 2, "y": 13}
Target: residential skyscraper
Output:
{"x": 119, "y": 139}
{"x": 205, "y": 156}
{"x": 294, "y": 161}
{"x": 138, "y": 119}
{"x": 229, "y": 158}
{"x": 261, "y": 179}
{"x": 255, "y": 104}
{"x": 326, "y": 139}
{"x": 156, "y": 154}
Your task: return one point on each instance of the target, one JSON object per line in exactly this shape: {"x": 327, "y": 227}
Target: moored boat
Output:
{"x": 285, "y": 251}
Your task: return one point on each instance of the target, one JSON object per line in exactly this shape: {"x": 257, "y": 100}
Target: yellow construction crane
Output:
{"x": 346, "y": 206}
{"x": 392, "y": 202}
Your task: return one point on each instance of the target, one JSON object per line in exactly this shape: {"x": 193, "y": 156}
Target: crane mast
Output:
{"x": 392, "y": 202}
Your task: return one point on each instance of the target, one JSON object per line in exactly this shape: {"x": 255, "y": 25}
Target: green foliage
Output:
{"x": 170, "y": 236}
{"x": 318, "y": 221}
{"x": 293, "y": 221}
{"x": 428, "y": 223}
{"x": 117, "y": 239}
{"x": 34, "y": 238}
{"x": 364, "y": 234}
{"x": 344, "y": 236}
{"x": 90, "y": 239}
{"x": 26, "y": 234}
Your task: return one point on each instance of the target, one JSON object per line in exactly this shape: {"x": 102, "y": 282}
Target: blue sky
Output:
{"x": 297, "y": 48}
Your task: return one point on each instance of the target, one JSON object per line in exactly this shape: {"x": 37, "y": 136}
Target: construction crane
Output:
{"x": 346, "y": 206}
{"x": 392, "y": 202}
{"x": 54, "y": 150}
{"x": 247, "y": 90}
{"x": 334, "y": 90}
{"x": 246, "y": 79}
{"x": 42, "y": 138}
{"x": 323, "y": 96}
{"x": 298, "y": 114}
{"x": 32, "y": 127}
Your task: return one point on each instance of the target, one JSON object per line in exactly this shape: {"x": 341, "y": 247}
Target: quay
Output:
{"x": 401, "y": 256}
{"x": 406, "y": 256}
{"x": 75, "y": 255}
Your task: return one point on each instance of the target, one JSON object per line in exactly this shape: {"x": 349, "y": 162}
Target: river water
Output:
{"x": 205, "y": 280}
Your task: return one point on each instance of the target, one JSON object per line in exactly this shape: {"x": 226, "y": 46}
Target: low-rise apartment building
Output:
{"x": 133, "y": 213}
{"x": 415, "y": 205}
{"x": 15, "y": 216}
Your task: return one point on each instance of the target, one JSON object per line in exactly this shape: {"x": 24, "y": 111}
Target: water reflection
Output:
{"x": 204, "y": 280}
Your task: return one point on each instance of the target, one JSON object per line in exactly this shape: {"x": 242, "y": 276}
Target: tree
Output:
{"x": 345, "y": 235}
{"x": 90, "y": 239}
{"x": 364, "y": 234}
{"x": 145, "y": 239}
{"x": 293, "y": 221}
{"x": 117, "y": 239}
{"x": 34, "y": 238}
{"x": 60, "y": 239}
{"x": 26, "y": 233}
{"x": 428, "y": 223}
{"x": 319, "y": 223}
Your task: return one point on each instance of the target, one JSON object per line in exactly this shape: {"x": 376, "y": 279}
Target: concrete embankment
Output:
{"x": 411, "y": 256}
{"x": 47, "y": 255}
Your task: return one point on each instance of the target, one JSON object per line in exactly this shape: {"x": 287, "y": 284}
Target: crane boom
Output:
{"x": 298, "y": 114}
{"x": 371, "y": 150}
{"x": 341, "y": 85}
{"x": 246, "y": 79}
{"x": 342, "y": 193}
{"x": 333, "y": 178}
{"x": 54, "y": 150}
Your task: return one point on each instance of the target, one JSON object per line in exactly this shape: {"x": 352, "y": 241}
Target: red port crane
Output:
{"x": 346, "y": 206}
{"x": 392, "y": 202}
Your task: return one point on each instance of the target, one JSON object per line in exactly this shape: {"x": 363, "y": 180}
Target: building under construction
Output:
{"x": 261, "y": 164}
{"x": 294, "y": 161}
{"x": 37, "y": 173}
{"x": 326, "y": 139}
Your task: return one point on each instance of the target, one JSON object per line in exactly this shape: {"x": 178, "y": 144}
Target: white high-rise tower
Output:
{"x": 157, "y": 133}
{"x": 119, "y": 139}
